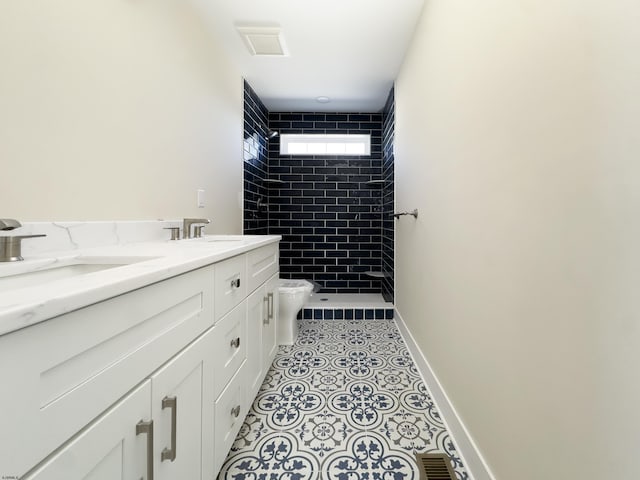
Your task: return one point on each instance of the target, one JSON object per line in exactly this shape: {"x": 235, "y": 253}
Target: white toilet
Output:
{"x": 293, "y": 294}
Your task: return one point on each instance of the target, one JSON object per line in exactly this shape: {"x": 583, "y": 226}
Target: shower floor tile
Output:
{"x": 345, "y": 401}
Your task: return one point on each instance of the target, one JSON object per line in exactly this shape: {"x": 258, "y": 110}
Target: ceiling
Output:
{"x": 347, "y": 50}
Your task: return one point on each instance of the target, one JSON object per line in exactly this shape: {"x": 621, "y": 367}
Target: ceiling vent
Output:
{"x": 266, "y": 41}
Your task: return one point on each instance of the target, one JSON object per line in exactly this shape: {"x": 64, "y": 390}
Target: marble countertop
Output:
{"x": 155, "y": 261}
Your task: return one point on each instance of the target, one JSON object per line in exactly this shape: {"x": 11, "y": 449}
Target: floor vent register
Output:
{"x": 435, "y": 466}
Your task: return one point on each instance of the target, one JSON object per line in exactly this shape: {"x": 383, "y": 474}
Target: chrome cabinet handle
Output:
{"x": 270, "y": 305}
{"x": 265, "y": 316}
{"x": 235, "y": 411}
{"x": 235, "y": 343}
{"x": 172, "y": 403}
{"x": 235, "y": 283}
{"x": 147, "y": 428}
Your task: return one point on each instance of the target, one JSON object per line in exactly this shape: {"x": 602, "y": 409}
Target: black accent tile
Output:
{"x": 358, "y": 314}
{"x": 368, "y": 314}
{"x": 325, "y": 210}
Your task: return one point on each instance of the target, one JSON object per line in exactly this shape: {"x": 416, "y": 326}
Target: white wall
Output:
{"x": 518, "y": 138}
{"x": 116, "y": 110}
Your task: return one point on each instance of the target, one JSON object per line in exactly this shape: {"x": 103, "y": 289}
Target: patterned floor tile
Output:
{"x": 410, "y": 431}
{"x": 329, "y": 380}
{"x": 287, "y": 406}
{"x": 369, "y": 457}
{"x": 363, "y": 404}
{"x": 252, "y": 430}
{"x": 419, "y": 400}
{"x": 301, "y": 363}
{"x": 358, "y": 363}
{"x": 395, "y": 380}
{"x": 444, "y": 444}
{"x": 324, "y": 433}
{"x": 345, "y": 402}
{"x": 274, "y": 457}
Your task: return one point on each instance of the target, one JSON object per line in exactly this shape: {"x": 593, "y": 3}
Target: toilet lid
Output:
{"x": 294, "y": 286}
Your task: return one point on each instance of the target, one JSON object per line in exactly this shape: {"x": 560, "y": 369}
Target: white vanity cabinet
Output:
{"x": 262, "y": 312}
{"x": 108, "y": 449}
{"x": 182, "y": 412}
{"x": 246, "y": 352}
{"x": 159, "y": 430}
{"x": 156, "y": 381}
{"x": 59, "y": 375}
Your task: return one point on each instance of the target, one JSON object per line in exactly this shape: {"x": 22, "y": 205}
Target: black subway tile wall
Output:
{"x": 335, "y": 213}
{"x": 328, "y": 209}
{"x": 255, "y": 164}
{"x": 388, "y": 193}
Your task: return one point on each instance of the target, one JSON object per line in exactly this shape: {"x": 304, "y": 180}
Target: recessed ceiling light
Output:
{"x": 323, "y": 99}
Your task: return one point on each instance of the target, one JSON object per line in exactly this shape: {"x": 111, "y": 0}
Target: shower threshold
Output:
{"x": 347, "y": 300}
{"x": 346, "y": 306}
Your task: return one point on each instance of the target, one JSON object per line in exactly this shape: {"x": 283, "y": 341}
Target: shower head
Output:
{"x": 272, "y": 134}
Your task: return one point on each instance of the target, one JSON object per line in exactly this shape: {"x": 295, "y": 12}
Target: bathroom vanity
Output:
{"x": 141, "y": 371}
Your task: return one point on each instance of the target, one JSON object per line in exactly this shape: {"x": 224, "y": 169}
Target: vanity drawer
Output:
{"x": 71, "y": 368}
{"x": 230, "y": 284}
{"x": 230, "y": 346}
{"x": 230, "y": 409}
{"x": 262, "y": 264}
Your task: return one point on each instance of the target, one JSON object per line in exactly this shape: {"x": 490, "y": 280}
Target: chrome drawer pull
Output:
{"x": 235, "y": 343}
{"x": 172, "y": 403}
{"x": 235, "y": 411}
{"x": 265, "y": 305}
{"x": 147, "y": 428}
{"x": 270, "y": 305}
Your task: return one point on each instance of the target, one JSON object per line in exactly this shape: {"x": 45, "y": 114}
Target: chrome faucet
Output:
{"x": 9, "y": 224}
{"x": 186, "y": 226}
{"x": 11, "y": 246}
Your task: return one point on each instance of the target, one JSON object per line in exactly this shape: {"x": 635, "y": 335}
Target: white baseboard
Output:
{"x": 471, "y": 457}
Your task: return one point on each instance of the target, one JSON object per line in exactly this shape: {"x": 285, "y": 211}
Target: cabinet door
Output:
{"x": 256, "y": 310}
{"x": 269, "y": 340}
{"x": 108, "y": 449}
{"x": 231, "y": 408}
{"x": 182, "y": 408}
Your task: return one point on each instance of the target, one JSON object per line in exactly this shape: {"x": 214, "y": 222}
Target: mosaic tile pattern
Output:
{"x": 345, "y": 402}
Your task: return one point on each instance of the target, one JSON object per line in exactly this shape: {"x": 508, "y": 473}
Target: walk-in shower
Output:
{"x": 333, "y": 211}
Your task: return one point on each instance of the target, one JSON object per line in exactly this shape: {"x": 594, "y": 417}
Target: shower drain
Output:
{"x": 435, "y": 466}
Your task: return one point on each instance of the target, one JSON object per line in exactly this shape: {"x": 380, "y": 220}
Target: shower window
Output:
{"x": 325, "y": 144}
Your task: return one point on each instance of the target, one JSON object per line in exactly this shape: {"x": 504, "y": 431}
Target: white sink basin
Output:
{"x": 16, "y": 276}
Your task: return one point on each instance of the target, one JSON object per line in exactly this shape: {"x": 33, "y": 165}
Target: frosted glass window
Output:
{"x": 325, "y": 144}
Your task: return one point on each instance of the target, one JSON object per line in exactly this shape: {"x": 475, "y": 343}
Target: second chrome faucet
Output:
{"x": 188, "y": 222}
